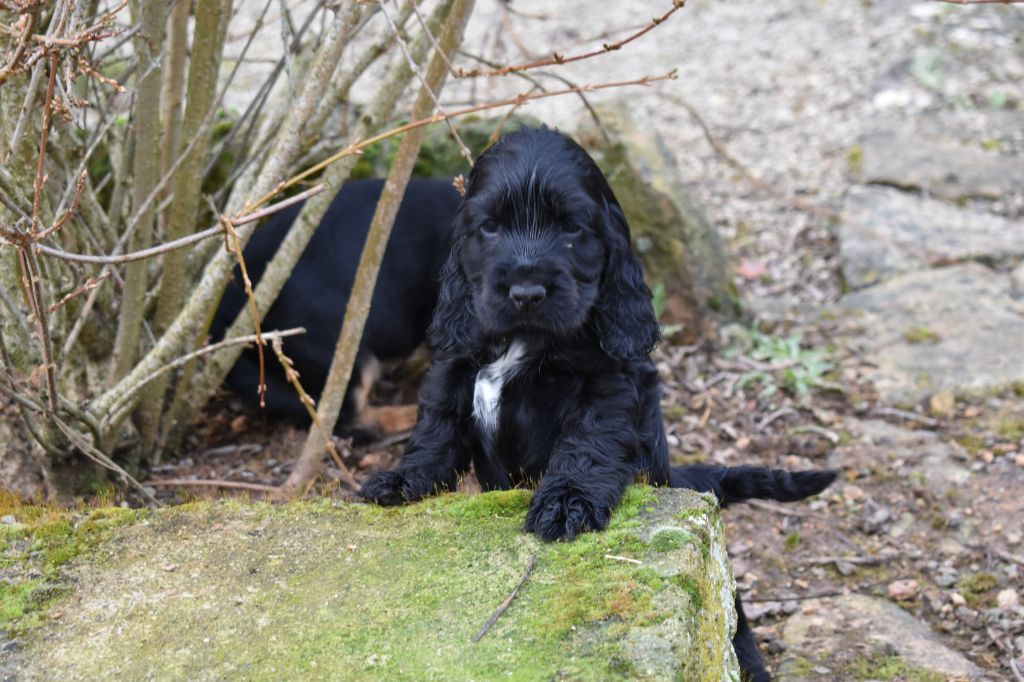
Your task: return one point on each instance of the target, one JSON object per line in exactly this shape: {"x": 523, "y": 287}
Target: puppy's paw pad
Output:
{"x": 564, "y": 515}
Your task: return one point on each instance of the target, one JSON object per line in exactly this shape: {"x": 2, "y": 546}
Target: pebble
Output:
{"x": 8, "y": 519}
{"x": 946, "y": 577}
{"x": 942, "y": 404}
{"x": 1008, "y": 598}
{"x": 903, "y": 590}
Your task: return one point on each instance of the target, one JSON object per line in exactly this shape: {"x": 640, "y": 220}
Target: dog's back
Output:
{"x": 317, "y": 292}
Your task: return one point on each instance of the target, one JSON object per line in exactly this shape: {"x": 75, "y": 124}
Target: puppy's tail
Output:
{"x": 738, "y": 484}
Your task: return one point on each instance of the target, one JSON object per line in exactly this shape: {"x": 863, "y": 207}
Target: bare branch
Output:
{"x": 558, "y": 58}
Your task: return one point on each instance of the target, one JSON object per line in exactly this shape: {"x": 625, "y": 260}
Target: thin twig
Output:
{"x": 185, "y": 482}
{"x": 615, "y": 557}
{"x": 307, "y": 401}
{"x": 463, "y": 149}
{"x": 184, "y": 241}
{"x": 518, "y": 100}
{"x": 90, "y": 284}
{"x": 802, "y": 597}
{"x": 779, "y": 509}
{"x": 558, "y": 58}
{"x": 508, "y": 600}
{"x": 907, "y": 415}
{"x": 97, "y": 456}
{"x": 831, "y": 436}
{"x": 862, "y": 560}
{"x": 111, "y": 416}
{"x": 754, "y": 180}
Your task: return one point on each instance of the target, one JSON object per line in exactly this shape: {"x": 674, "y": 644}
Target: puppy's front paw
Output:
{"x": 391, "y": 488}
{"x": 560, "y": 511}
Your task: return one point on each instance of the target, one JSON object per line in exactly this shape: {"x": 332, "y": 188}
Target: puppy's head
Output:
{"x": 541, "y": 247}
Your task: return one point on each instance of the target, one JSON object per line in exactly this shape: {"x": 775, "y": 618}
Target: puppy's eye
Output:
{"x": 489, "y": 228}
{"x": 572, "y": 229}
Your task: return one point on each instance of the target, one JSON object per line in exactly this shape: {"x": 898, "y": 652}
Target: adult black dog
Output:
{"x": 542, "y": 372}
{"x": 318, "y": 289}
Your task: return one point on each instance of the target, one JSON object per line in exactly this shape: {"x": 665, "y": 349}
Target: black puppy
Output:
{"x": 542, "y": 371}
{"x": 317, "y": 291}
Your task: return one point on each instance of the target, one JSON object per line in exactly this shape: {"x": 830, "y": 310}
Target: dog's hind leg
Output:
{"x": 751, "y": 666}
{"x": 364, "y": 422}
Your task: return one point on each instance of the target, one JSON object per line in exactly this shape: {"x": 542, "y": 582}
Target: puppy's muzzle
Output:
{"x": 526, "y": 295}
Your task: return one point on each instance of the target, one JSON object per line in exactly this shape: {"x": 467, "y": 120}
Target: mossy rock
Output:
{"x": 678, "y": 243}
{"x": 342, "y": 591}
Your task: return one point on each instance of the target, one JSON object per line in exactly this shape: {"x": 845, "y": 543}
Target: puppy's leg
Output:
{"x": 589, "y": 468}
{"x": 749, "y": 656}
{"x": 438, "y": 451}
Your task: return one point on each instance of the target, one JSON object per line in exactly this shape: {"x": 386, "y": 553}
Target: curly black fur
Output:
{"x": 542, "y": 280}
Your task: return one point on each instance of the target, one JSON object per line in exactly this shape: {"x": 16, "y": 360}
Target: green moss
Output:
{"x": 692, "y": 588}
{"x": 673, "y": 413}
{"x": 921, "y": 335}
{"x": 34, "y": 548}
{"x": 1011, "y": 428}
{"x": 792, "y": 541}
{"x": 855, "y": 159}
{"x": 889, "y": 667}
{"x": 972, "y": 442}
{"x": 312, "y": 588}
{"x": 669, "y": 539}
{"x": 976, "y": 586}
{"x": 800, "y": 667}
{"x": 499, "y": 504}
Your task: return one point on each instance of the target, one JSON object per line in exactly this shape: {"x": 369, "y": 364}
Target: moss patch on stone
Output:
{"x": 328, "y": 590}
{"x": 888, "y": 668}
{"x": 36, "y": 541}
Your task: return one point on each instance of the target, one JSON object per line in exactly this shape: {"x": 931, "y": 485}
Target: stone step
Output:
{"x": 344, "y": 591}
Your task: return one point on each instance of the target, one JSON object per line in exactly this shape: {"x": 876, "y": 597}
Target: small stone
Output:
{"x": 8, "y": 519}
{"x": 1019, "y": 460}
{"x": 1008, "y": 598}
{"x": 942, "y": 404}
{"x": 903, "y": 590}
{"x": 852, "y": 493}
{"x": 946, "y": 577}
{"x": 972, "y": 411}
{"x": 987, "y": 456}
{"x": 957, "y": 599}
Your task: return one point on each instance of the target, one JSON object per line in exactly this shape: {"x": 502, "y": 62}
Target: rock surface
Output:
{"x": 325, "y": 591}
{"x": 953, "y": 328}
{"x": 953, "y": 171}
{"x": 878, "y": 630}
{"x": 885, "y": 232}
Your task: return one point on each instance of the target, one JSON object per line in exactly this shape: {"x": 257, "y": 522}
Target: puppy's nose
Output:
{"x": 527, "y": 294}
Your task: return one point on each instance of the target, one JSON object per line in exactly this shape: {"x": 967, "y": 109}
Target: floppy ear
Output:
{"x": 624, "y": 312}
{"x": 454, "y": 328}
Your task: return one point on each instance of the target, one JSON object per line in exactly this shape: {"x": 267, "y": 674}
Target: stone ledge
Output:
{"x": 343, "y": 591}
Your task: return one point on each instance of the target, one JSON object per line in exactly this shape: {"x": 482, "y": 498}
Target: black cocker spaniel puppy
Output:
{"x": 542, "y": 374}
{"x": 318, "y": 289}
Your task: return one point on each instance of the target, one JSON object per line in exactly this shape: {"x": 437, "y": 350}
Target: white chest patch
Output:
{"x": 489, "y": 381}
